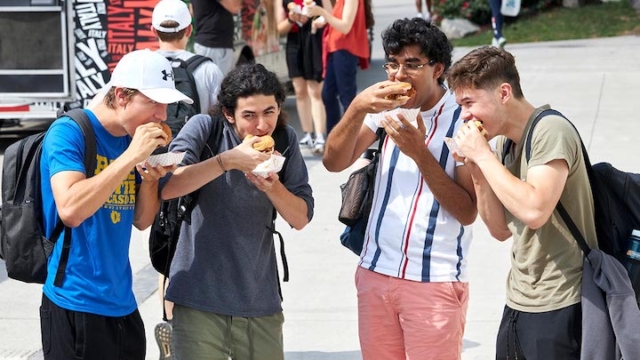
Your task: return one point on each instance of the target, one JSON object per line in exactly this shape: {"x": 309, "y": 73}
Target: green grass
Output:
{"x": 558, "y": 23}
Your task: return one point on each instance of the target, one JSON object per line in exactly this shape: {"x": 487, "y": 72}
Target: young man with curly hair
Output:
{"x": 412, "y": 277}
{"x": 224, "y": 276}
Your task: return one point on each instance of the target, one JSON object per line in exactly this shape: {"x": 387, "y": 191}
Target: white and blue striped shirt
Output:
{"x": 409, "y": 235}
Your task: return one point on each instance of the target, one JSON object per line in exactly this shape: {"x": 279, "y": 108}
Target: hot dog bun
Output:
{"x": 265, "y": 145}
{"x": 167, "y": 130}
{"x": 478, "y": 124}
{"x": 401, "y": 85}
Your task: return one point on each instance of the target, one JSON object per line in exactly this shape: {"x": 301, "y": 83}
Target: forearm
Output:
{"x": 490, "y": 208}
{"x": 284, "y": 26}
{"x": 342, "y": 25}
{"x": 147, "y": 204}
{"x": 83, "y": 198}
{"x": 517, "y": 196}
{"x": 340, "y": 149}
{"x": 232, "y": 6}
{"x": 187, "y": 179}
{"x": 292, "y": 208}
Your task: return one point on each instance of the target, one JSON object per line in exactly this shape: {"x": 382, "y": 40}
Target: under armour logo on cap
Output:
{"x": 167, "y": 74}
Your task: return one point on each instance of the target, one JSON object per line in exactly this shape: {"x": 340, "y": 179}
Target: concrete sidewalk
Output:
{"x": 596, "y": 83}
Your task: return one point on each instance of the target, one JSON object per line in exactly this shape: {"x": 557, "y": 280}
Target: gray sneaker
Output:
{"x": 164, "y": 333}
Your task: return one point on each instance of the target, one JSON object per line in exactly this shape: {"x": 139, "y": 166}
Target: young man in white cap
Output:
{"x": 92, "y": 313}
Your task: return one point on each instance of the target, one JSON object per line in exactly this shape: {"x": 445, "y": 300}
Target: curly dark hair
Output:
{"x": 248, "y": 80}
{"x": 417, "y": 31}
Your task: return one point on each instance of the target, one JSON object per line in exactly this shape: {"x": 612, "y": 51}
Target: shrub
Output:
{"x": 479, "y": 12}
{"x": 476, "y": 11}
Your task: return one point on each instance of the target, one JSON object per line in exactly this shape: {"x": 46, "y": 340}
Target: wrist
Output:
{"x": 221, "y": 163}
{"x": 290, "y": 21}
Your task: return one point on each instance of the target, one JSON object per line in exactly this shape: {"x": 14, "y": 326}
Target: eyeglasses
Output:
{"x": 410, "y": 69}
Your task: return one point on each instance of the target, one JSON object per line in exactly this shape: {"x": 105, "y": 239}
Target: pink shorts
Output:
{"x": 404, "y": 319}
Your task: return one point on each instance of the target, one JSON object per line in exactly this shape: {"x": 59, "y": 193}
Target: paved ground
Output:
{"x": 596, "y": 83}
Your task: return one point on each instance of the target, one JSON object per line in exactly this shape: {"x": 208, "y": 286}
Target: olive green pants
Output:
{"x": 200, "y": 335}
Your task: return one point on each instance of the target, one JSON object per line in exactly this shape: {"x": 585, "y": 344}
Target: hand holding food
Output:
{"x": 265, "y": 144}
{"x": 482, "y": 130}
{"x": 410, "y": 91}
{"x": 167, "y": 131}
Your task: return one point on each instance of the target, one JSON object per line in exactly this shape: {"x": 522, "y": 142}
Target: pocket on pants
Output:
{"x": 45, "y": 327}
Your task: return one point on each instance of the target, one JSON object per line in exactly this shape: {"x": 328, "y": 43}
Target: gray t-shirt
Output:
{"x": 225, "y": 260}
{"x": 207, "y": 75}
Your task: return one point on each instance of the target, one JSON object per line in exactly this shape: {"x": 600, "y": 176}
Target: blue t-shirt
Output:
{"x": 98, "y": 277}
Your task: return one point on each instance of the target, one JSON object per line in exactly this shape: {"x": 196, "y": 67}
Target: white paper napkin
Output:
{"x": 409, "y": 114}
{"x": 273, "y": 165}
{"x": 166, "y": 159}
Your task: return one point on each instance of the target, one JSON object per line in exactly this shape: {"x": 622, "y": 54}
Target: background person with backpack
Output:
{"x": 224, "y": 276}
{"x": 94, "y": 295}
{"x": 543, "y": 315}
{"x": 195, "y": 75}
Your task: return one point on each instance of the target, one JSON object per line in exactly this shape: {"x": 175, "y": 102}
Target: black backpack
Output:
{"x": 165, "y": 229}
{"x": 178, "y": 113}
{"x": 616, "y": 198}
{"x": 23, "y": 245}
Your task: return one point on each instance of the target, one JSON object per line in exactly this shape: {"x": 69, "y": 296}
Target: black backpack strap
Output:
{"x": 82, "y": 119}
{"x": 191, "y": 65}
{"x": 561, "y": 210}
{"x": 195, "y": 61}
{"x": 281, "y": 140}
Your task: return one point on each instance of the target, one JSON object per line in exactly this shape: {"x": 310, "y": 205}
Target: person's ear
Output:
{"x": 438, "y": 70}
{"x": 228, "y": 116}
{"x": 506, "y": 92}
{"x": 121, "y": 97}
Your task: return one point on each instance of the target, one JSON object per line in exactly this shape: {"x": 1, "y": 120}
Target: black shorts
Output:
{"x": 304, "y": 54}
{"x": 551, "y": 335}
{"x": 76, "y": 335}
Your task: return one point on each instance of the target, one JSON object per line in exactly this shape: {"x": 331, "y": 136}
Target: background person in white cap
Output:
{"x": 171, "y": 23}
{"x": 96, "y": 298}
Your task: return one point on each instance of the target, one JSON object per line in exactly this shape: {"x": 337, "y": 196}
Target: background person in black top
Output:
{"x": 214, "y": 30}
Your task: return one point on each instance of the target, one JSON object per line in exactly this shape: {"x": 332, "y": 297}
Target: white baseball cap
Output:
{"x": 175, "y": 10}
{"x": 150, "y": 73}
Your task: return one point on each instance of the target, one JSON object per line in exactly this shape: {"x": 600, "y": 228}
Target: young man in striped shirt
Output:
{"x": 411, "y": 280}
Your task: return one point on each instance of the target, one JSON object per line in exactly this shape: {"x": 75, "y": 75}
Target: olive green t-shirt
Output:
{"x": 546, "y": 264}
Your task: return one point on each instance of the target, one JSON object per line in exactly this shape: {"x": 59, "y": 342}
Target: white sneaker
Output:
{"x": 419, "y": 15}
{"x": 499, "y": 42}
{"x": 318, "y": 147}
{"x": 307, "y": 141}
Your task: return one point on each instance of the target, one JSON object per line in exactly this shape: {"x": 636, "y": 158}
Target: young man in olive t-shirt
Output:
{"x": 542, "y": 318}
